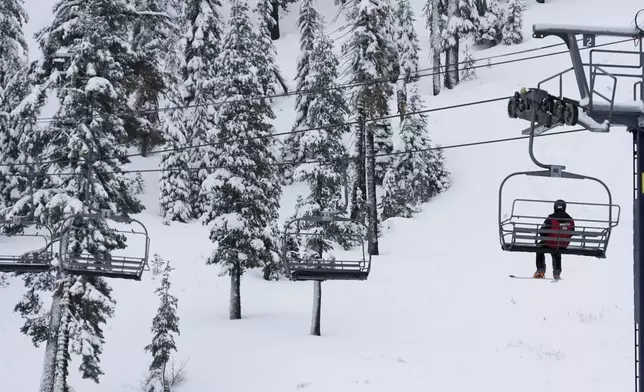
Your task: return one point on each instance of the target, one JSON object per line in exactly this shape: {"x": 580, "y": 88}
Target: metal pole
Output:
{"x": 638, "y": 259}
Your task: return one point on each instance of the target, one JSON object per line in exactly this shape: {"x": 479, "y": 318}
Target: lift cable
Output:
{"x": 320, "y": 161}
{"x": 46, "y": 120}
{"x": 344, "y": 124}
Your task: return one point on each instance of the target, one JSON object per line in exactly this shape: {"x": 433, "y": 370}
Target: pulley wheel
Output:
{"x": 512, "y": 108}
{"x": 571, "y": 114}
{"x": 558, "y": 112}
{"x": 546, "y": 105}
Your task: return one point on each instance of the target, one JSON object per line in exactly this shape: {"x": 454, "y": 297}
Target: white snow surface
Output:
{"x": 438, "y": 311}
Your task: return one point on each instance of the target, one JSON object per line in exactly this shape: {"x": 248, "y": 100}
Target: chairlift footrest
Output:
{"x": 24, "y": 267}
{"x": 327, "y": 274}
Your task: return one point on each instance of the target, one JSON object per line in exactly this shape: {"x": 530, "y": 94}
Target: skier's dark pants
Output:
{"x": 556, "y": 262}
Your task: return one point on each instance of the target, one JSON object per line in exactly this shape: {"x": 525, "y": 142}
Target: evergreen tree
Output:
{"x": 91, "y": 85}
{"x": 462, "y": 19}
{"x": 418, "y": 173}
{"x": 468, "y": 70}
{"x": 13, "y": 50}
{"x": 394, "y": 197}
{"x": 268, "y": 70}
{"x": 164, "y": 326}
{"x": 4, "y": 280}
{"x": 325, "y": 177}
{"x": 408, "y": 48}
{"x": 200, "y": 90}
{"x": 489, "y": 29}
{"x": 310, "y": 24}
{"x": 513, "y": 27}
{"x": 175, "y": 183}
{"x": 152, "y": 35}
{"x": 369, "y": 52}
{"x": 243, "y": 194}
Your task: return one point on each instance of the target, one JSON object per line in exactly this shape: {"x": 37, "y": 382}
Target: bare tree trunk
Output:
{"x": 280, "y": 80}
{"x": 62, "y": 353}
{"x": 451, "y": 53}
{"x": 447, "y": 80}
{"x": 275, "y": 29}
{"x": 436, "y": 46}
{"x": 48, "y": 376}
{"x": 456, "y": 64}
{"x": 235, "y": 292}
{"x": 358, "y": 193}
{"x": 372, "y": 210}
{"x": 317, "y": 309}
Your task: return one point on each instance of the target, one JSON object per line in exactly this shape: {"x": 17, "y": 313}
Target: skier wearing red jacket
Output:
{"x": 560, "y": 221}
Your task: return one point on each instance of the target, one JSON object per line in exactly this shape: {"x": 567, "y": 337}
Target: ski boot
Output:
{"x": 556, "y": 274}
{"x": 539, "y": 275}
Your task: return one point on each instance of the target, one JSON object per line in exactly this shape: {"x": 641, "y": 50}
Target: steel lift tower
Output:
{"x": 597, "y": 112}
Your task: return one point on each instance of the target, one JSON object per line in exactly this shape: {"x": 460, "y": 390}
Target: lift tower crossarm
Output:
{"x": 541, "y": 30}
{"x": 600, "y": 115}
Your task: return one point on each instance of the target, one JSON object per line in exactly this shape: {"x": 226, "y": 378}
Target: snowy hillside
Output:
{"x": 438, "y": 311}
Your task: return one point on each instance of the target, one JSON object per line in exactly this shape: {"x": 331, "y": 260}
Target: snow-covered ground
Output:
{"x": 438, "y": 311}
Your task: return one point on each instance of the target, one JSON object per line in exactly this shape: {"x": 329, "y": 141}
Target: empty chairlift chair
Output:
{"x": 102, "y": 263}
{"x": 305, "y": 263}
{"x": 522, "y": 232}
{"x": 27, "y": 247}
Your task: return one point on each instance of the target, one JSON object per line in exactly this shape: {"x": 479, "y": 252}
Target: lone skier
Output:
{"x": 560, "y": 221}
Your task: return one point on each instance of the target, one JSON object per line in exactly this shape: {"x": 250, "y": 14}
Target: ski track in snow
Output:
{"x": 438, "y": 311}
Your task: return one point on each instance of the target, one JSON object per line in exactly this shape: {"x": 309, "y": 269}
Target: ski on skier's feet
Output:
{"x": 531, "y": 277}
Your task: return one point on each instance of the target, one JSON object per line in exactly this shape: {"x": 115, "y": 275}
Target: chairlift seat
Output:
{"x": 115, "y": 267}
{"x": 20, "y": 264}
{"x": 329, "y": 270}
{"x": 309, "y": 269}
{"x": 111, "y": 266}
{"x": 26, "y": 261}
{"x": 522, "y": 233}
{"x": 582, "y": 243}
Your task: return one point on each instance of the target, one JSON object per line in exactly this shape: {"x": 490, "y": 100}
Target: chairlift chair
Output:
{"x": 522, "y": 233}
{"x": 36, "y": 259}
{"x": 322, "y": 269}
{"x": 111, "y": 266}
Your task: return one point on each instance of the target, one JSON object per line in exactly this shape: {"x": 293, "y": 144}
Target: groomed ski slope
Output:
{"x": 438, "y": 311}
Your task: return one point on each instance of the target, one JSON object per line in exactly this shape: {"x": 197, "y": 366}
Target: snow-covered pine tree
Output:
{"x": 462, "y": 19}
{"x": 173, "y": 53}
{"x": 269, "y": 71}
{"x": 310, "y": 25}
{"x": 4, "y": 280}
{"x": 151, "y": 37}
{"x": 13, "y": 49}
{"x": 513, "y": 26}
{"x": 164, "y": 326}
{"x": 408, "y": 47}
{"x": 489, "y": 29}
{"x": 369, "y": 52}
{"x": 200, "y": 90}
{"x": 244, "y": 193}
{"x": 91, "y": 85}
{"x": 326, "y": 177}
{"x": 175, "y": 182}
{"x": 417, "y": 173}
{"x": 468, "y": 70}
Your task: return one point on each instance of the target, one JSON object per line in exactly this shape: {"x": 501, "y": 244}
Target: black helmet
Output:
{"x": 560, "y": 205}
